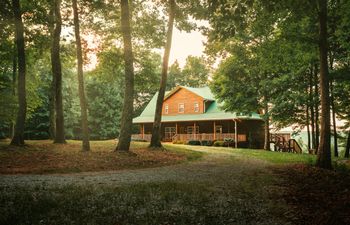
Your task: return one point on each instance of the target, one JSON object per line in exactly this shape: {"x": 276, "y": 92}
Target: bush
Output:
{"x": 219, "y": 143}
{"x": 207, "y": 143}
{"x": 194, "y": 142}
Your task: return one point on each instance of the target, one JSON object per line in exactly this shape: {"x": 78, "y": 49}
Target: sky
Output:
{"x": 185, "y": 44}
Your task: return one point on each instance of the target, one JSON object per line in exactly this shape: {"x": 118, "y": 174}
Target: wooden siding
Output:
{"x": 183, "y": 96}
{"x": 250, "y": 132}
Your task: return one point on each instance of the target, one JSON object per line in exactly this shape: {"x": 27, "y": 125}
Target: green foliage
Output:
{"x": 194, "y": 74}
{"x": 193, "y": 142}
{"x": 219, "y": 143}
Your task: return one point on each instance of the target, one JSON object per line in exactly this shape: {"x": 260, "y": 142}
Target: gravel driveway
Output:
{"x": 216, "y": 165}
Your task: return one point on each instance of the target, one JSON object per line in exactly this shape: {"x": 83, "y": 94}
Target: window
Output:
{"x": 181, "y": 107}
{"x": 218, "y": 129}
{"x": 166, "y": 109}
{"x": 190, "y": 130}
{"x": 196, "y": 107}
{"x": 169, "y": 133}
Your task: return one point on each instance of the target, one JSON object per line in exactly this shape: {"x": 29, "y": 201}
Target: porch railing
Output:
{"x": 146, "y": 137}
{"x": 209, "y": 137}
{"x": 199, "y": 137}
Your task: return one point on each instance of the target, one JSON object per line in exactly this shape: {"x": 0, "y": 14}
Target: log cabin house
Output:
{"x": 194, "y": 114}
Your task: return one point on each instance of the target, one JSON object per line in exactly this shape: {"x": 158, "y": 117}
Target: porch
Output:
{"x": 245, "y": 133}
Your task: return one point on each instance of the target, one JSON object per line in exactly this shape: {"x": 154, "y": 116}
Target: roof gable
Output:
{"x": 203, "y": 92}
{"x": 214, "y": 111}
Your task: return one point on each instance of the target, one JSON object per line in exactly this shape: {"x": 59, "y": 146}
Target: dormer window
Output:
{"x": 196, "y": 107}
{"x": 181, "y": 107}
{"x": 166, "y": 109}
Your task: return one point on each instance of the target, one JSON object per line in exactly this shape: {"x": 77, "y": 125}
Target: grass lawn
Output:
{"x": 209, "y": 186}
{"x": 41, "y": 157}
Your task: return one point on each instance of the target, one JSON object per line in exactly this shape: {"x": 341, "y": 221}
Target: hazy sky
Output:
{"x": 185, "y": 44}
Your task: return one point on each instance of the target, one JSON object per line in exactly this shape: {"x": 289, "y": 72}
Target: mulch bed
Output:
{"x": 315, "y": 196}
{"x": 48, "y": 158}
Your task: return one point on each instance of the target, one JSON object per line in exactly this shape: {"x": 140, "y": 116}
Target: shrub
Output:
{"x": 193, "y": 142}
{"x": 207, "y": 143}
{"x": 219, "y": 143}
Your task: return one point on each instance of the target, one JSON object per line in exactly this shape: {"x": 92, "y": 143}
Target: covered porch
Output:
{"x": 245, "y": 133}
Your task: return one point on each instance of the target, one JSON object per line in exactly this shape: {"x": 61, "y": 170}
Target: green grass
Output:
{"x": 190, "y": 154}
{"x": 270, "y": 156}
{"x": 277, "y": 157}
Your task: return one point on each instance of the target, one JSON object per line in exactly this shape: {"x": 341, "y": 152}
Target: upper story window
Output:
{"x": 166, "y": 109}
{"x": 181, "y": 107}
{"x": 196, "y": 107}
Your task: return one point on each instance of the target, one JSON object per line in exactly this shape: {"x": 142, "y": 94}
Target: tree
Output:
{"x": 156, "y": 131}
{"x": 195, "y": 72}
{"x": 127, "y": 113}
{"x": 57, "y": 73}
{"x": 324, "y": 150}
{"x": 18, "y": 138}
{"x": 175, "y": 76}
{"x": 82, "y": 98}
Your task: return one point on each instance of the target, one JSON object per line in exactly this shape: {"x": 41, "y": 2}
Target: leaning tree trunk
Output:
{"x": 126, "y": 118}
{"x": 18, "y": 138}
{"x": 267, "y": 127}
{"x": 83, "y": 105}
{"x": 156, "y": 132}
{"x": 57, "y": 73}
{"x": 324, "y": 153}
{"x": 347, "y": 149}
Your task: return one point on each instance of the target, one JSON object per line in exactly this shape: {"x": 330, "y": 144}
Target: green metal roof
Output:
{"x": 213, "y": 112}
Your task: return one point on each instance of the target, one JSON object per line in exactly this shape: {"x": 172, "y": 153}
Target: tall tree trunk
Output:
{"x": 156, "y": 132}
{"x": 347, "y": 149}
{"x": 52, "y": 116}
{"x": 312, "y": 111}
{"x": 335, "y": 136}
{"x": 83, "y": 105}
{"x": 267, "y": 127}
{"x": 324, "y": 153}
{"x": 317, "y": 100}
{"x": 126, "y": 118}
{"x": 57, "y": 73}
{"x": 308, "y": 127}
{"x": 14, "y": 78}
{"x": 18, "y": 138}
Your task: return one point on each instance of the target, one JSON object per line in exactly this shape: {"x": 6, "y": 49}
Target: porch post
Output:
{"x": 143, "y": 131}
{"x": 236, "y": 134}
{"x": 175, "y": 128}
{"x": 194, "y": 131}
{"x": 214, "y": 130}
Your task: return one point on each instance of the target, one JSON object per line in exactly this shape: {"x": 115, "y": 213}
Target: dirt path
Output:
{"x": 223, "y": 187}
{"x": 215, "y": 166}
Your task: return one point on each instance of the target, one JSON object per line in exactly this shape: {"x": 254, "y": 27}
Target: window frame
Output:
{"x": 196, "y": 107}
{"x": 183, "y": 111}
{"x": 166, "y": 109}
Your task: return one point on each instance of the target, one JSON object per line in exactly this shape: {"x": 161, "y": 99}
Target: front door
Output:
{"x": 169, "y": 133}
